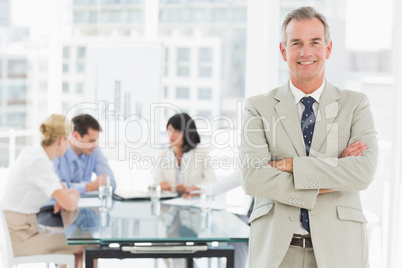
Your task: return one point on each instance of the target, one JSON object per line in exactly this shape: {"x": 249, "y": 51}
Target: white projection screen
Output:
{"x": 122, "y": 83}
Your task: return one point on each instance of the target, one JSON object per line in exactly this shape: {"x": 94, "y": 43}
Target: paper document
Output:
{"x": 127, "y": 195}
{"x": 196, "y": 202}
{"x": 182, "y": 202}
{"x": 216, "y": 205}
{"x": 89, "y": 202}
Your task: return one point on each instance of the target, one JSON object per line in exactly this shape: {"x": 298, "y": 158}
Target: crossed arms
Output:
{"x": 286, "y": 165}
{"x": 301, "y": 177}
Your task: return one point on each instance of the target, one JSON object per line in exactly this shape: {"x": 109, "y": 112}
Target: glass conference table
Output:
{"x": 145, "y": 229}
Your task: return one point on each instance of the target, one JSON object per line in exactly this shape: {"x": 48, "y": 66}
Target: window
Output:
{"x": 166, "y": 92}
{"x": 16, "y": 119}
{"x": 81, "y": 52}
{"x": 92, "y": 17}
{"x": 112, "y": 16}
{"x": 79, "y": 88}
{"x": 17, "y": 68}
{"x": 205, "y": 62}
{"x": 183, "y": 62}
{"x": 65, "y": 68}
{"x": 205, "y": 93}
{"x": 79, "y": 17}
{"x": 219, "y": 15}
{"x": 183, "y": 54}
{"x": 239, "y": 15}
{"x": 80, "y": 68}
{"x": 205, "y": 55}
{"x": 182, "y": 93}
{"x": 183, "y": 71}
{"x": 16, "y": 94}
{"x": 205, "y": 71}
{"x": 66, "y": 52}
{"x": 65, "y": 87}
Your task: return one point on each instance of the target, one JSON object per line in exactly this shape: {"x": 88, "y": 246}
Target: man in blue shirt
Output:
{"x": 83, "y": 157}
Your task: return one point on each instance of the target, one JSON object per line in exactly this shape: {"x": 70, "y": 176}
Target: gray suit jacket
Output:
{"x": 272, "y": 131}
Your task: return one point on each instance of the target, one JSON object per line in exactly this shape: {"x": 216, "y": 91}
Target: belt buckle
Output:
{"x": 303, "y": 239}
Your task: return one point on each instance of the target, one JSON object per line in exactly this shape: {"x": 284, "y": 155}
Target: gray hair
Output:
{"x": 305, "y": 13}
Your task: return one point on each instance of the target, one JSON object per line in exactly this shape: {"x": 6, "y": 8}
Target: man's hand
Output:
{"x": 191, "y": 192}
{"x": 324, "y": 191}
{"x": 355, "y": 149}
{"x": 180, "y": 188}
{"x": 165, "y": 186}
{"x": 93, "y": 185}
{"x": 285, "y": 165}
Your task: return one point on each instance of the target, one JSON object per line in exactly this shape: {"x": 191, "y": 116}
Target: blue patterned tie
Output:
{"x": 79, "y": 169}
{"x": 307, "y": 126}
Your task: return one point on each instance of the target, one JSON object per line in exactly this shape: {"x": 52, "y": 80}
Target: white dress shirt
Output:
{"x": 31, "y": 182}
{"x": 298, "y": 95}
{"x": 195, "y": 168}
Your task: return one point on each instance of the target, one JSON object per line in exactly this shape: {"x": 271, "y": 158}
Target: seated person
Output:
{"x": 31, "y": 183}
{"x": 83, "y": 157}
{"x": 183, "y": 164}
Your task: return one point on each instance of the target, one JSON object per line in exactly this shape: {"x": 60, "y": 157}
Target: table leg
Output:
{"x": 190, "y": 263}
{"x": 89, "y": 258}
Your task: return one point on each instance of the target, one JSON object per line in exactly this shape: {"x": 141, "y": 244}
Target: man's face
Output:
{"x": 306, "y": 50}
{"x": 87, "y": 143}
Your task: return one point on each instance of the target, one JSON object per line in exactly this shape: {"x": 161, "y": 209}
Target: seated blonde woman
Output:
{"x": 183, "y": 164}
{"x": 31, "y": 183}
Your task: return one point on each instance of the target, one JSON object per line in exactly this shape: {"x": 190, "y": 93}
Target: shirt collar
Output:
{"x": 71, "y": 155}
{"x": 298, "y": 94}
{"x": 173, "y": 156}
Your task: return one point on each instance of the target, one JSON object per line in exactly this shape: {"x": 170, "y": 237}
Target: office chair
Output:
{"x": 11, "y": 261}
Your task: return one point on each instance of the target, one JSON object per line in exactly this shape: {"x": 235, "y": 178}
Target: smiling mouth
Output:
{"x": 306, "y": 62}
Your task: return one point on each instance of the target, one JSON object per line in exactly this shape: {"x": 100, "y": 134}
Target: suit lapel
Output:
{"x": 327, "y": 113}
{"x": 286, "y": 107}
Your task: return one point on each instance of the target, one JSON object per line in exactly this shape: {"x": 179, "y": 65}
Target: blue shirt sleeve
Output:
{"x": 102, "y": 167}
{"x": 81, "y": 187}
{"x": 94, "y": 163}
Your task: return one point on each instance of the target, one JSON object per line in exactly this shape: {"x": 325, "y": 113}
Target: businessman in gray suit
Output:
{"x": 309, "y": 149}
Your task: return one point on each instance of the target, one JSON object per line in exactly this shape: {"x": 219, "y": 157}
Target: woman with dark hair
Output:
{"x": 183, "y": 164}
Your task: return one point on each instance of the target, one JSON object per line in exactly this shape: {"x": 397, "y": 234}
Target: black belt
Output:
{"x": 301, "y": 242}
